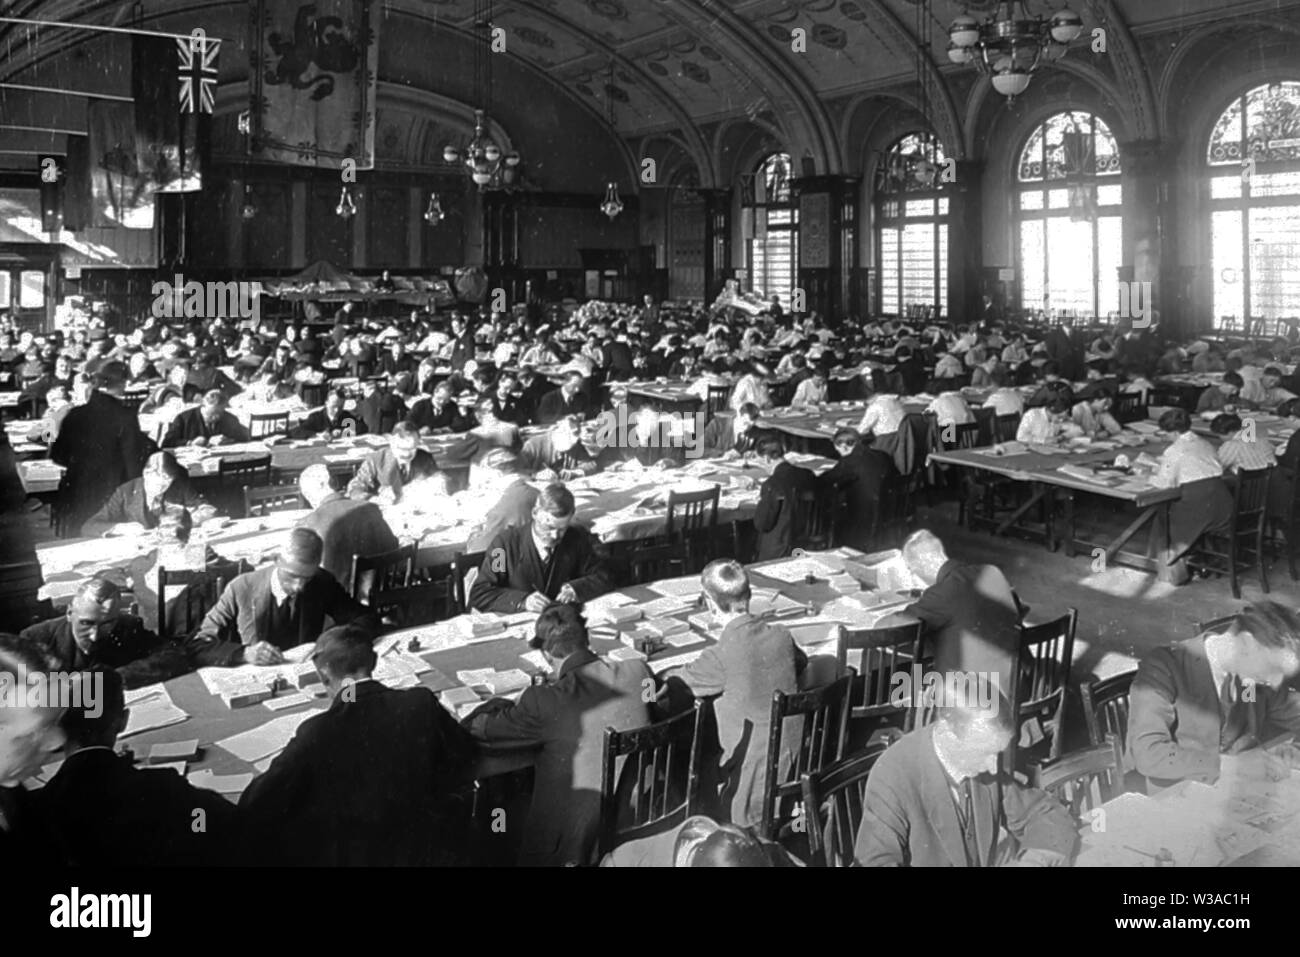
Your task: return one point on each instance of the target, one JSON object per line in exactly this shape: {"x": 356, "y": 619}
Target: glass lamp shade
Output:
{"x": 1011, "y": 83}
{"x": 512, "y": 158}
{"x": 481, "y": 177}
{"x": 249, "y": 211}
{"x": 1066, "y": 26}
{"x": 450, "y": 155}
{"x": 959, "y": 55}
{"x": 964, "y": 31}
{"x": 491, "y": 152}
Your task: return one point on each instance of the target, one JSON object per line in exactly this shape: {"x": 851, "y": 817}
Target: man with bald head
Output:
{"x": 276, "y": 607}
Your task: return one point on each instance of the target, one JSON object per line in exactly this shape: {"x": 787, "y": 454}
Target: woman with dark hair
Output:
{"x": 142, "y": 501}
{"x": 1190, "y": 464}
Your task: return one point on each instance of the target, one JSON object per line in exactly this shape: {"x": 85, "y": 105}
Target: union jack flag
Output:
{"x": 197, "y": 59}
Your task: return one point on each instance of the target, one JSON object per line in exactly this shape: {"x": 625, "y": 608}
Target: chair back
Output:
{"x": 20, "y": 604}
{"x": 833, "y": 800}
{"x": 201, "y": 589}
{"x": 238, "y": 472}
{"x": 462, "y": 565}
{"x": 877, "y": 654}
{"x": 414, "y": 604}
{"x": 1129, "y": 407}
{"x": 718, "y": 396}
{"x": 649, "y": 777}
{"x": 264, "y": 424}
{"x": 986, "y": 422}
{"x": 1105, "y": 708}
{"x": 382, "y": 572}
{"x": 814, "y": 520}
{"x": 1046, "y": 654}
{"x": 1082, "y": 780}
{"x": 313, "y": 393}
{"x": 1250, "y": 499}
{"x": 1006, "y": 426}
{"x": 824, "y": 711}
{"x": 649, "y": 563}
{"x": 274, "y": 498}
{"x": 690, "y": 512}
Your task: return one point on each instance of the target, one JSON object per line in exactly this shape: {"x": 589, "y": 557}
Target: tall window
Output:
{"x": 1070, "y": 227}
{"x": 1254, "y": 167}
{"x": 912, "y": 228}
{"x": 774, "y": 248}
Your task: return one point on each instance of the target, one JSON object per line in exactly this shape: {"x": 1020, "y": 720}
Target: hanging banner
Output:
{"x": 121, "y": 192}
{"x": 174, "y": 84}
{"x": 313, "y": 82}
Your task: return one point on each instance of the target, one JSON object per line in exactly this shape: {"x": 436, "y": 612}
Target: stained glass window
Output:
{"x": 774, "y": 248}
{"x": 912, "y": 227}
{"x": 1254, "y": 166}
{"x": 1069, "y": 225}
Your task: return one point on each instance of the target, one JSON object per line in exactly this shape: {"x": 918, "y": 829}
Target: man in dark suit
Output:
{"x": 30, "y": 736}
{"x": 346, "y": 527}
{"x": 139, "y": 817}
{"x": 558, "y": 452}
{"x": 367, "y": 782}
{"x": 163, "y": 485}
{"x": 386, "y": 473}
{"x": 438, "y": 414}
{"x": 568, "y": 717}
{"x": 210, "y": 424}
{"x": 550, "y": 559}
{"x": 515, "y": 501}
{"x": 94, "y": 632}
{"x": 378, "y": 409}
{"x": 970, "y": 613}
{"x": 395, "y": 361}
{"x": 531, "y": 389}
{"x": 462, "y": 344}
{"x": 774, "y": 519}
{"x": 732, "y": 436}
{"x": 936, "y": 798}
{"x": 331, "y": 421}
{"x": 569, "y": 399}
{"x": 1201, "y": 709}
{"x": 751, "y": 660}
{"x": 275, "y": 608}
{"x": 101, "y": 447}
{"x": 857, "y": 482}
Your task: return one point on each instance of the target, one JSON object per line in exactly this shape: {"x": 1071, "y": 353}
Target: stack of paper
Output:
{"x": 688, "y": 587}
{"x": 663, "y": 627}
{"x": 460, "y": 701}
{"x": 796, "y": 570}
{"x": 626, "y": 654}
{"x": 479, "y": 627}
{"x": 601, "y": 611}
{"x": 661, "y": 607}
{"x": 660, "y": 665}
{"x": 267, "y": 740}
{"x": 495, "y": 682}
{"x": 149, "y": 708}
{"x": 538, "y": 661}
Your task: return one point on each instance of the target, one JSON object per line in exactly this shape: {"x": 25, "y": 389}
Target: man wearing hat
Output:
{"x": 276, "y": 607}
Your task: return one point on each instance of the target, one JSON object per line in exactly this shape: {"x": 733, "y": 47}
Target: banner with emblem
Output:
{"x": 173, "y": 82}
{"x": 121, "y": 192}
{"x": 313, "y": 68}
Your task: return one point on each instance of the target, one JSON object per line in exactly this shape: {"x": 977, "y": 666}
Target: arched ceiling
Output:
{"x": 680, "y": 67}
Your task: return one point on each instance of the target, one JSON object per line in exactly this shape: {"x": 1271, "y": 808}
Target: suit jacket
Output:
{"x": 512, "y": 570}
{"x": 971, "y": 619}
{"x": 530, "y": 397}
{"x": 553, "y": 406}
{"x": 319, "y": 421}
{"x": 751, "y": 660}
{"x": 774, "y": 518}
{"x": 380, "y": 411}
{"x": 568, "y": 718}
{"x": 348, "y": 528}
{"x": 720, "y": 437}
{"x": 858, "y": 480}
{"x": 910, "y": 816}
{"x": 142, "y": 817}
{"x": 128, "y": 504}
{"x": 189, "y": 425}
{"x": 365, "y": 782}
{"x": 1176, "y": 728}
{"x": 380, "y": 470}
{"x": 539, "y": 453}
{"x": 101, "y": 446}
{"x": 425, "y": 416}
{"x": 139, "y": 656}
{"x": 245, "y": 615}
{"x": 515, "y": 507}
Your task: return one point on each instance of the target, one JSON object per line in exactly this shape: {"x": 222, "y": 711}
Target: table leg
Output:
{"x": 1134, "y": 527}
{"x": 1039, "y": 491}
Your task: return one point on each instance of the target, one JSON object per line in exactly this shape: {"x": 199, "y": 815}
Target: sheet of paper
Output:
{"x": 285, "y": 702}
{"x": 667, "y": 605}
{"x": 795, "y": 570}
{"x": 688, "y": 587}
{"x": 266, "y": 740}
{"x": 221, "y": 783}
{"x": 660, "y": 665}
{"x": 538, "y": 661}
{"x": 151, "y": 707}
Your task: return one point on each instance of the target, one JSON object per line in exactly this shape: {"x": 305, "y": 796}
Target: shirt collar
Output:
{"x": 277, "y": 589}
{"x": 1217, "y": 671}
{"x": 955, "y": 777}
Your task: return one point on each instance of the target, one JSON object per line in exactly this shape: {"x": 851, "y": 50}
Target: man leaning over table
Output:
{"x": 142, "y": 501}
{"x": 95, "y": 632}
{"x": 550, "y": 558}
{"x": 279, "y": 606}
{"x": 208, "y": 425}
{"x": 1201, "y": 709}
{"x": 385, "y": 473}
{"x": 346, "y": 527}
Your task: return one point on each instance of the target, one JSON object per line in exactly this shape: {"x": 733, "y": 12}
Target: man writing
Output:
{"x": 385, "y": 473}
{"x": 346, "y": 526}
{"x": 208, "y": 425}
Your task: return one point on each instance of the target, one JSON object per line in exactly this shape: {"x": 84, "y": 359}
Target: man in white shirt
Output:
{"x": 883, "y": 416}
{"x": 1004, "y": 400}
{"x": 949, "y": 408}
{"x": 1047, "y": 424}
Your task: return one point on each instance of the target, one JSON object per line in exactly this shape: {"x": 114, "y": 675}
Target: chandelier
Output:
{"x": 1011, "y": 44}
{"x": 612, "y": 205}
{"x": 346, "y": 208}
{"x": 434, "y": 214}
{"x": 483, "y": 159}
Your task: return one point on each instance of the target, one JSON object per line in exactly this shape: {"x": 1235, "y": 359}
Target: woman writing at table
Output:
{"x": 1190, "y": 464}
{"x": 143, "y": 501}
{"x": 1048, "y": 424}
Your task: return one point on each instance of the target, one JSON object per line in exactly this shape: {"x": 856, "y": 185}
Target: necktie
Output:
{"x": 1234, "y": 715}
{"x": 969, "y": 839}
{"x": 404, "y": 472}
{"x": 286, "y": 624}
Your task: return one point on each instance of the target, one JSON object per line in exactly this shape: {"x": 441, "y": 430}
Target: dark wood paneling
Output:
{"x": 329, "y": 236}
{"x": 387, "y": 210}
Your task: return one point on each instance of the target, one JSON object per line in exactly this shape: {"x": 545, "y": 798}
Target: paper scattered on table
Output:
{"x": 221, "y": 783}
{"x": 667, "y": 605}
{"x": 288, "y": 701}
{"x": 460, "y": 701}
{"x": 768, "y": 601}
{"x": 493, "y": 681}
{"x": 796, "y": 569}
{"x": 660, "y": 665}
{"x": 266, "y": 740}
{"x": 151, "y": 707}
{"x": 625, "y": 654}
{"x": 538, "y": 661}
{"x": 687, "y": 587}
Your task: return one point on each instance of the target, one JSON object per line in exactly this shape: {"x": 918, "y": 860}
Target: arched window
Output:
{"x": 1069, "y": 218}
{"x": 912, "y": 228}
{"x": 774, "y": 229}
{"x": 1254, "y": 168}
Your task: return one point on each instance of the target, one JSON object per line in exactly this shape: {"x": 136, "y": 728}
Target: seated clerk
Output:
{"x": 31, "y": 735}
{"x": 558, "y": 453}
{"x": 1224, "y": 397}
{"x": 275, "y": 608}
{"x": 884, "y": 415}
{"x": 1004, "y": 400}
{"x": 549, "y": 559}
{"x": 439, "y": 414}
{"x": 1092, "y": 412}
{"x": 567, "y": 716}
{"x": 209, "y": 425}
{"x": 1191, "y": 464}
{"x": 370, "y": 781}
{"x": 775, "y": 517}
{"x": 94, "y": 632}
{"x": 509, "y": 407}
{"x": 377, "y": 409}
{"x": 857, "y": 482}
{"x": 1048, "y": 424}
{"x": 346, "y": 527}
{"x": 1241, "y": 448}
{"x": 1051, "y": 384}
{"x": 938, "y": 798}
{"x": 732, "y": 436}
{"x": 162, "y": 485}
{"x": 1200, "y": 709}
{"x": 384, "y": 474}
{"x": 140, "y": 818}
{"x": 331, "y": 421}
{"x": 569, "y": 399}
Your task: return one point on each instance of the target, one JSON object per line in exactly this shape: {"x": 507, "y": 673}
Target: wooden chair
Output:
{"x": 693, "y": 521}
{"x": 261, "y": 425}
{"x": 274, "y": 498}
{"x": 382, "y": 572}
{"x": 1287, "y": 526}
{"x": 814, "y": 521}
{"x": 313, "y": 393}
{"x": 408, "y": 605}
{"x": 1105, "y": 708}
{"x": 1082, "y": 780}
{"x": 833, "y": 800}
{"x": 1005, "y": 427}
{"x": 20, "y": 606}
{"x": 824, "y": 711}
{"x": 202, "y": 587}
{"x": 461, "y": 565}
{"x": 884, "y": 651}
{"x": 238, "y": 472}
{"x": 653, "y": 772}
{"x": 1243, "y": 547}
{"x": 648, "y": 563}
{"x": 1129, "y": 407}
{"x": 1046, "y": 654}
{"x": 718, "y": 397}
